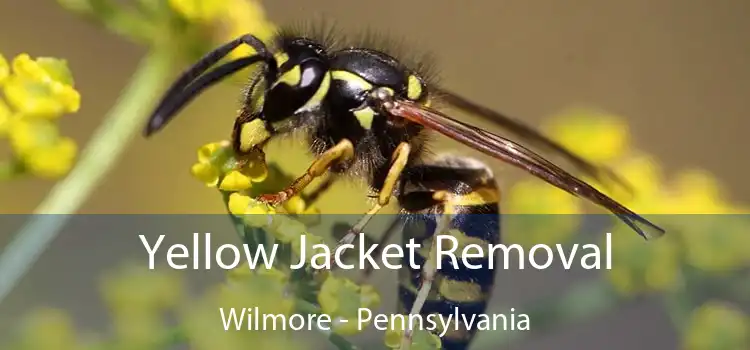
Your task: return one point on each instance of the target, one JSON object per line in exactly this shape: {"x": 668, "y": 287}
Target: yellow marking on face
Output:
{"x": 483, "y": 195}
{"x": 291, "y": 77}
{"x": 351, "y": 78}
{"x": 281, "y": 58}
{"x": 320, "y": 94}
{"x": 365, "y": 116}
{"x": 414, "y": 88}
{"x": 252, "y": 134}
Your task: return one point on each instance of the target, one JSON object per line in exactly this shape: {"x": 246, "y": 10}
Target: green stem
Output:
{"x": 99, "y": 157}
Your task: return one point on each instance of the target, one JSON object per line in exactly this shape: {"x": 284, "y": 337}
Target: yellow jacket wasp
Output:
{"x": 366, "y": 114}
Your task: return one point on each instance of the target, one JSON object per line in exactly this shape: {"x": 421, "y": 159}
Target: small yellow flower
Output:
{"x": 645, "y": 177}
{"x": 135, "y": 288}
{"x": 421, "y": 339}
{"x": 6, "y": 116}
{"x": 295, "y": 205}
{"x": 207, "y": 152}
{"x": 199, "y": 10}
{"x": 715, "y": 243}
{"x": 540, "y": 213}
{"x": 698, "y": 192}
{"x": 39, "y": 145}
{"x": 206, "y": 173}
{"x": 53, "y": 161}
{"x": 56, "y": 326}
{"x": 41, "y": 88}
{"x": 263, "y": 290}
{"x": 235, "y": 181}
{"x": 717, "y": 326}
{"x": 341, "y": 298}
{"x": 4, "y": 69}
{"x": 640, "y": 266}
{"x": 244, "y": 17}
{"x": 596, "y": 136}
{"x": 238, "y": 204}
{"x": 216, "y": 161}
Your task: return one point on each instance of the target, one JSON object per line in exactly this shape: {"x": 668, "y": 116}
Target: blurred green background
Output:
{"x": 675, "y": 70}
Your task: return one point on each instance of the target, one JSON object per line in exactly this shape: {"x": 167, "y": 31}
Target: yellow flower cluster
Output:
{"x": 338, "y": 297}
{"x": 37, "y": 92}
{"x": 681, "y": 204}
{"x": 58, "y": 329}
{"x": 341, "y": 299}
{"x": 233, "y": 18}
{"x": 264, "y": 289}
{"x": 718, "y": 326}
{"x": 138, "y": 300}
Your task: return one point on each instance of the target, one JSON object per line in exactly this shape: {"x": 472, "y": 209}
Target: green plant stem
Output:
{"x": 97, "y": 159}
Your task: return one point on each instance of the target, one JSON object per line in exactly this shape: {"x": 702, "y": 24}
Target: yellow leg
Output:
{"x": 342, "y": 151}
{"x": 398, "y": 163}
{"x": 430, "y": 267}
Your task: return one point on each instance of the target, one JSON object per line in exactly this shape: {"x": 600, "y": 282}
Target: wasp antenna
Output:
{"x": 186, "y": 87}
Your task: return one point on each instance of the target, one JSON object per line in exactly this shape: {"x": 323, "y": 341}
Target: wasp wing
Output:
{"x": 519, "y": 156}
{"x": 530, "y": 135}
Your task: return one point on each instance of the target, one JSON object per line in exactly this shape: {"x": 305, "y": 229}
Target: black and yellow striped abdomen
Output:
{"x": 457, "y": 289}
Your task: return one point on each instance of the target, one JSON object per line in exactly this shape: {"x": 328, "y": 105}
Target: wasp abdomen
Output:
{"x": 462, "y": 286}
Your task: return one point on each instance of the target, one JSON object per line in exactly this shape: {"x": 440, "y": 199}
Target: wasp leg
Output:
{"x": 314, "y": 195}
{"x": 341, "y": 152}
{"x": 398, "y": 163}
{"x": 429, "y": 270}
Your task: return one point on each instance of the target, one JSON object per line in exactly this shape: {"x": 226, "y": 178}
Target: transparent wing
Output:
{"x": 533, "y": 137}
{"x": 519, "y": 156}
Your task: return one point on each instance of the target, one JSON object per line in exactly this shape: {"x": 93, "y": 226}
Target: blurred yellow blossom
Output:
{"x": 49, "y": 329}
{"x": 235, "y": 181}
{"x": 341, "y": 298}
{"x": 6, "y": 116}
{"x": 37, "y": 91}
{"x": 242, "y": 17}
{"x": 38, "y": 143}
{"x": 264, "y": 290}
{"x": 640, "y": 266}
{"x": 595, "y": 135}
{"x": 540, "y": 214}
{"x": 717, "y": 326}
{"x": 41, "y": 88}
{"x": 199, "y": 10}
{"x": 715, "y": 243}
{"x": 4, "y": 69}
{"x": 135, "y": 287}
{"x": 697, "y": 192}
